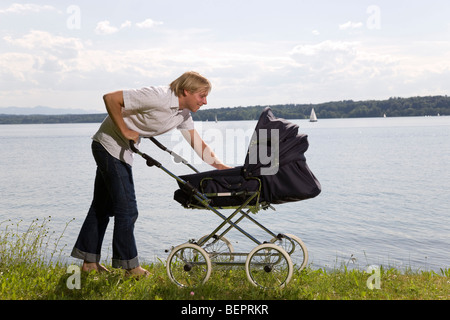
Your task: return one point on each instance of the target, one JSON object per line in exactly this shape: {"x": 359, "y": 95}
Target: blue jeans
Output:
{"x": 114, "y": 196}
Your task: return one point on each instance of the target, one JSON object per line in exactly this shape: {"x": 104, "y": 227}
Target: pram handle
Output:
{"x": 133, "y": 147}
{"x": 150, "y": 161}
{"x": 177, "y": 158}
{"x": 158, "y": 144}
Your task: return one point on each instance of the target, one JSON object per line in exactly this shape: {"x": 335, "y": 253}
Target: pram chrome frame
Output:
{"x": 261, "y": 263}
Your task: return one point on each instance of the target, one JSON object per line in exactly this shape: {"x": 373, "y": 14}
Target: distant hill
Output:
{"x": 42, "y": 118}
{"x": 393, "y": 107}
{"x": 43, "y": 111}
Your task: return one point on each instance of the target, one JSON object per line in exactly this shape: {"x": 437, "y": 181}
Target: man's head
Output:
{"x": 192, "y": 82}
{"x": 191, "y": 89}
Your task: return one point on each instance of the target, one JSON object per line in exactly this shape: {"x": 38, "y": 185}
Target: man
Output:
{"x": 132, "y": 114}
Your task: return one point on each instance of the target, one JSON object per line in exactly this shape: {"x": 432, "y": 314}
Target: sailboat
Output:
{"x": 313, "y": 117}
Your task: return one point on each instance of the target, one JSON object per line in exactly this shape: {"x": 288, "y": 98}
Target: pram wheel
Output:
{"x": 269, "y": 266}
{"x": 219, "y": 249}
{"x": 295, "y": 247}
{"x": 188, "y": 265}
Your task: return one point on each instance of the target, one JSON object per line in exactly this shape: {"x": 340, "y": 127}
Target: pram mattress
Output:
{"x": 289, "y": 178}
{"x": 224, "y": 188}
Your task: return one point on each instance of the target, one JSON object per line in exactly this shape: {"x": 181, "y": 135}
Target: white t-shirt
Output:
{"x": 150, "y": 111}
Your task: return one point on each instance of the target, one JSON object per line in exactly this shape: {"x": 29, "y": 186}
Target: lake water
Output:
{"x": 384, "y": 201}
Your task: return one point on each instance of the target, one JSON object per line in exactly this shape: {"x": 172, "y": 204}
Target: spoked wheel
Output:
{"x": 268, "y": 266}
{"x": 188, "y": 265}
{"x": 295, "y": 247}
{"x": 219, "y": 249}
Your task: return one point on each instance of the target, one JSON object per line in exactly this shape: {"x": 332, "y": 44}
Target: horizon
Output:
{"x": 67, "y": 111}
{"x": 254, "y": 53}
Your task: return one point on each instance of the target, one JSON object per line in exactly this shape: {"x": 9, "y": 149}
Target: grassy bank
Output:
{"x": 33, "y": 282}
{"x": 30, "y": 270}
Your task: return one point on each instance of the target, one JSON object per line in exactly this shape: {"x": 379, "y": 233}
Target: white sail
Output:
{"x": 313, "y": 117}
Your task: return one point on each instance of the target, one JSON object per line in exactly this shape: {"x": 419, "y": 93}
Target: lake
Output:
{"x": 384, "y": 201}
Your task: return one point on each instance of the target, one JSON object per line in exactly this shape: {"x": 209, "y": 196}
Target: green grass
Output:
{"x": 30, "y": 269}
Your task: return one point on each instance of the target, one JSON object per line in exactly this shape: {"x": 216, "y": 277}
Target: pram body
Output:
{"x": 287, "y": 178}
{"x": 274, "y": 172}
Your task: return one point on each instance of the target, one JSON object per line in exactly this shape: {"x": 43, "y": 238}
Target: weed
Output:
{"x": 31, "y": 268}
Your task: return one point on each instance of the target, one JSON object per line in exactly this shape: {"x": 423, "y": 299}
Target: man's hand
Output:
{"x": 222, "y": 166}
{"x": 130, "y": 135}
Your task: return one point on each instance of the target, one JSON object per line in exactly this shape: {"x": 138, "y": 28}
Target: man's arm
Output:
{"x": 203, "y": 150}
{"x": 114, "y": 104}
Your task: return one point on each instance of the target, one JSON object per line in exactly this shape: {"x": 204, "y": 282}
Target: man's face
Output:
{"x": 193, "y": 101}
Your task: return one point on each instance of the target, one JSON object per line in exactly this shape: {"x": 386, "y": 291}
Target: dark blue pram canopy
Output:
{"x": 275, "y": 167}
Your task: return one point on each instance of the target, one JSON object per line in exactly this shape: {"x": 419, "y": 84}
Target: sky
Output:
{"x": 67, "y": 54}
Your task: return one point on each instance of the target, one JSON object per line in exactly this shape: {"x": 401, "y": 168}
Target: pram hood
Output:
{"x": 286, "y": 177}
{"x": 275, "y": 157}
{"x": 275, "y": 142}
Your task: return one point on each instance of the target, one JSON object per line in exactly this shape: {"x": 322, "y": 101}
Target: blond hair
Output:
{"x": 192, "y": 82}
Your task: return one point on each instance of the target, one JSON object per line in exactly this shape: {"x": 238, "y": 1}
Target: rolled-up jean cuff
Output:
{"x": 126, "y": 264}
{"x": 88, "y": 257}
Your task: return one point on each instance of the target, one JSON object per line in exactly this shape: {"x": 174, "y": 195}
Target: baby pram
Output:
{"x": 274, "y": 172}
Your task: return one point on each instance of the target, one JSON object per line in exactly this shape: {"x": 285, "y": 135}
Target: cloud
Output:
{"x": 126, "y": 24}
{"x": 42, "y": 41}
{"x": 147, "y": 24}
{"x": 38, "y": 59}
{"x": 20, "y": 8}
{"x": 331, "y": 60}
{"x": 344, "y": 70}
{"x": 15, "y": 67}
{"x": 326, "y": 55}
{"x": 350, "y": 25}
{"x": 105, "y": 27}
{"x": 242, "y": 73}
{"x": 333, "y": 70}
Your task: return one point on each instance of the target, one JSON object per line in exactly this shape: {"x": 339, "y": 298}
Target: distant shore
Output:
{"x": 393, "y": 107}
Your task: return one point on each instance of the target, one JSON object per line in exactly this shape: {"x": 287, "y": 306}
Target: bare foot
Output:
{"x": 93, "y": 266}
{"x": 138, "y": 272}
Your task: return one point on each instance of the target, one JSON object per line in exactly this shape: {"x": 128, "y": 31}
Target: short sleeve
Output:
{"x": 144, "y": 98}
{"x": 188, "y": 123}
